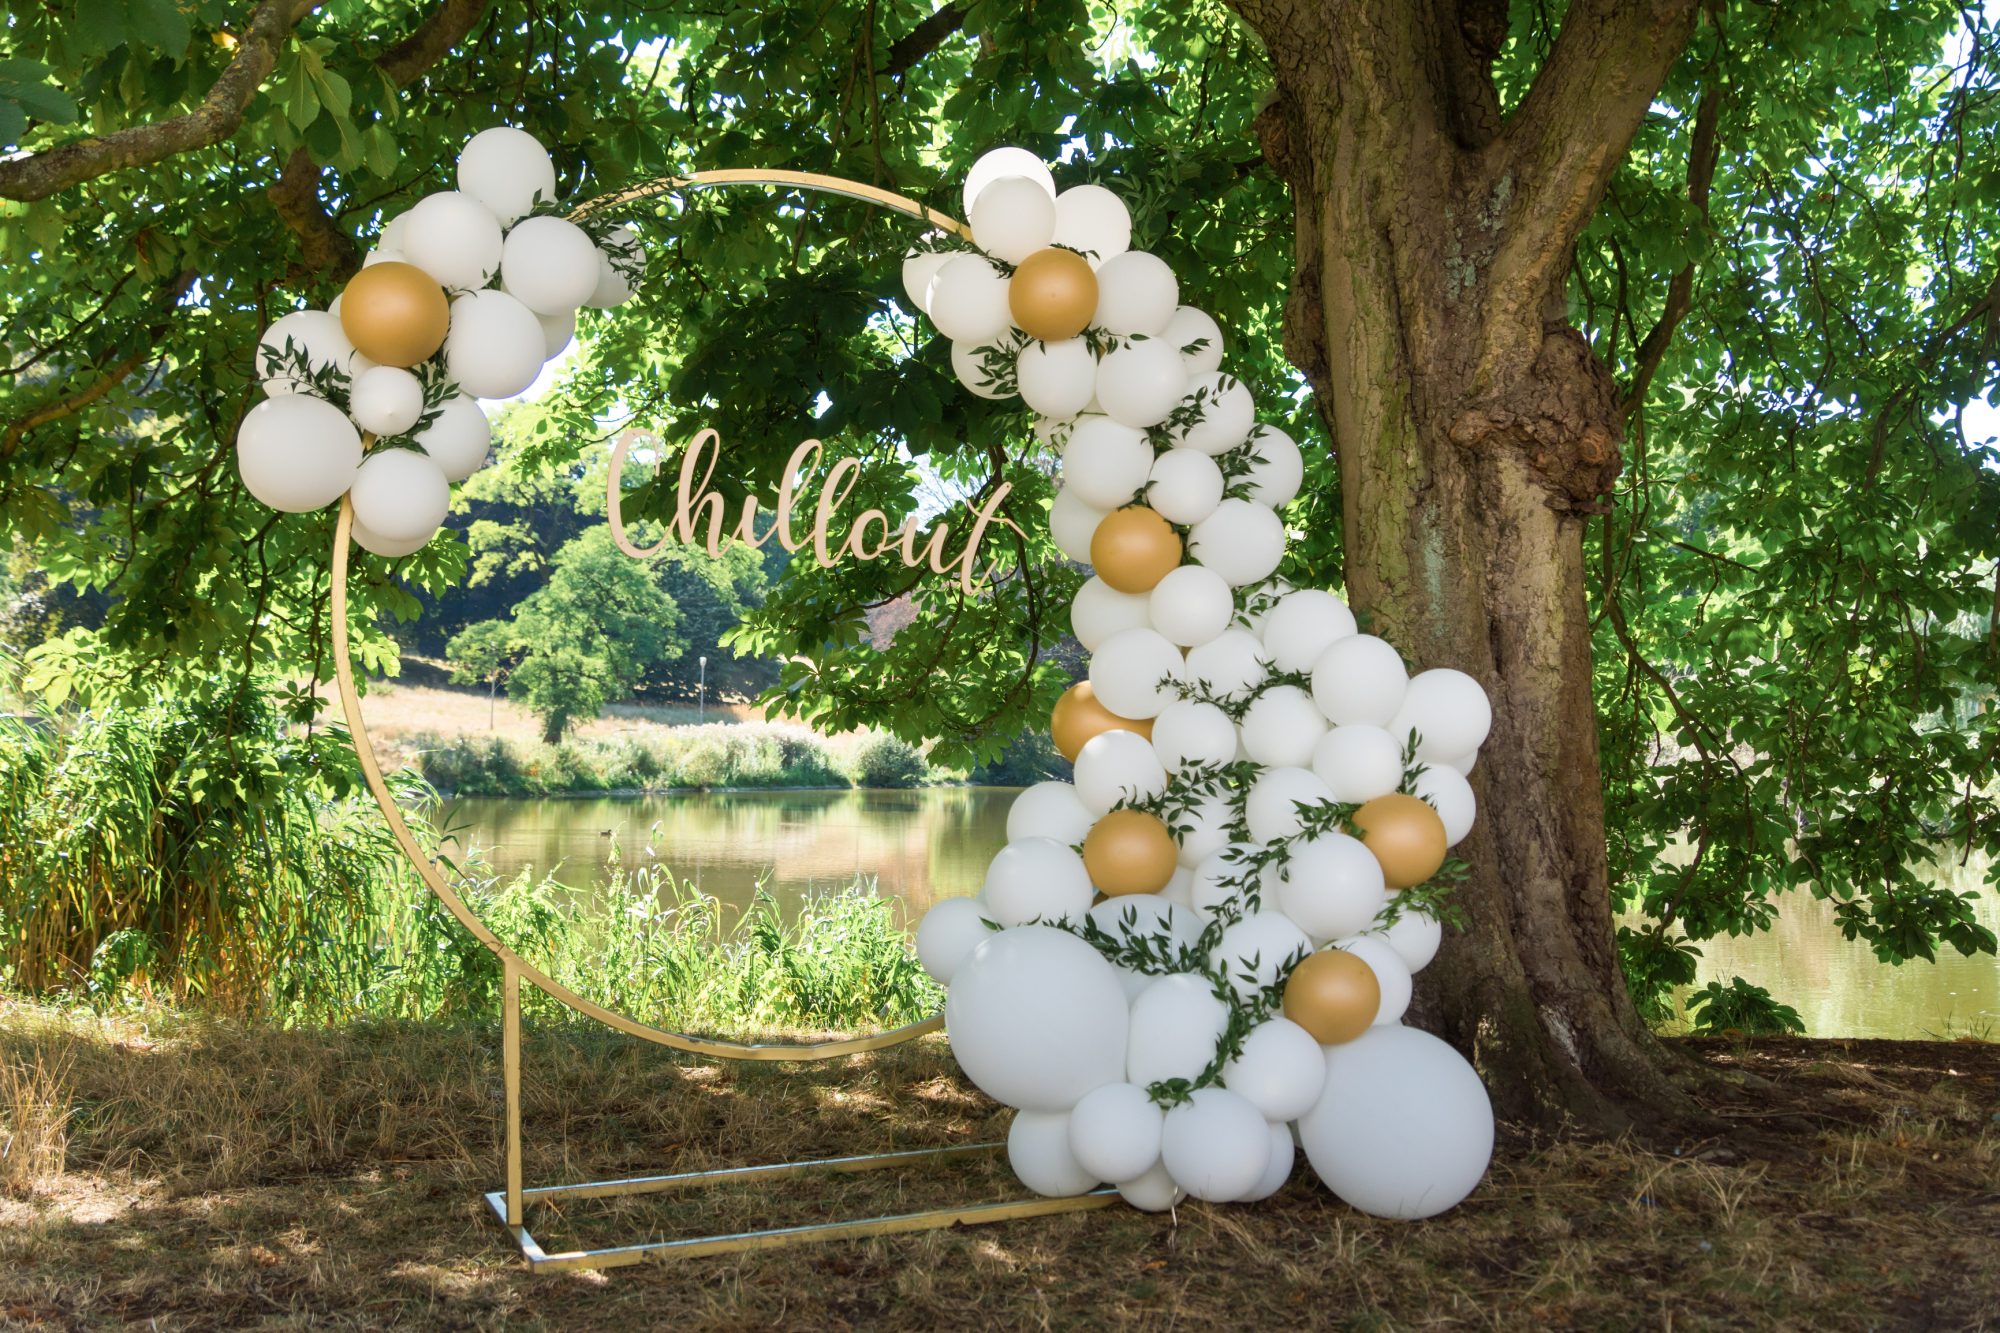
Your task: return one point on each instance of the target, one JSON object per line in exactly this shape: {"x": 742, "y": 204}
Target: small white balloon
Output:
{"x": 1258, "y": 950}
{"x": 919, "y": 268}
{"x": 1391, "y": 973}
{"x": 1280, "y": 1070}
{"x": 1176, "y": 1022}
{"x": 454, "y": 238}
{"x": 1106, "y": 463}
{"x": 1115, "y": 767}
{"x": 1017, "y": 987}
{"x": 1448, "y": 791}
{"x": 1114, "y": 1132}
{"x": 1258, "y": 600}
{"x": 621, "y": 262}
{"x": 1282, "y": 727}
{"x": 1216, "y": 1145}
{"x": 1094, "y": 222}
{"x": 1203, "y": 829}
{"x": 1057, "y": 378}
{"x": 1140, "y": 383}
{"x": 1231, "y": 665}
{"x": 557, "y": 331}
{"x": 1153, "y": 1192}
{"x": 508, "y": 171}
{"x": 1302, "y": 626}
{"x": 984, "y": 367}
{"x": 1013, "y": 217}
{"x": 391, "y": 239}
{"x": 1185, "y": 486}
{"x": 1191, "y": 605}
{"x": 400, "y": 494}
{"x": 1000, "y": 162}
{"x": 386, "y": 400}
{"x": 1146, "y": 916}
{"x": 1073, "y": 522}
{"x": 1358, "y": 762}
{"x": 968, "y": 300}
{"x": 1136, "y": 294}
{"x": 1177, "y": 890}
{"x": 297, "y": 453}
{"x": 381, "y": 255}
{"x": 1279, "y": 1169}
{"x": 1272, "y": 808}
{"x": 1242, "y": 541}
{"x": 947, "y": 935}
{"x": 1037, "y": 879}
{"x": 494, "y": 346}
{"x": 1415, "y": 937}
{"x": 459, "y": 438}
{"x": 1049, "y": 810}
{"x": 376, "y": 544}
{"x": 1222, "y": 413}
{"x": 1462, "y": 764}
{"x": 1360, "y": 680}
{"x": 1038, "y": 1150}
{"x": 315, "y": 335}
{"x": 1332, "y": 887}
{"x": 549, "y": 265}
{"x": 1449, "y": 711}
{"x": 1136, "y": 672}
{"x": 1277, "y": 468}
{"x": 1189, "y": 734}
{"x": 1100, "y": 611}
{"x": 1196, "y": 337}
{"x": 1223, "y": 878}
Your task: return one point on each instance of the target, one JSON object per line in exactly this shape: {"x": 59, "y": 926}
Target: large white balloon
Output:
{"x": 1140, "y": 383}
{"x": 1404, "y": 1128}
{"x": 386, "y": 400}
{"x": 494, "y": 346}
{"x": 1242, "y": 541}
{"x": 1000, "y": 162}
{"x": 1038, "y": 1150}
{"x": 376, "y": 544}
{"x": 1191, "y": 605}
{"x": 1282, "y": 726}
{"x": 1185, "y": 486}
{"x": 458, "y": 439}
{"x": 1272, "y": 808}
{"x": 1106, "y": 463}
{"x": 1197, "y": 337}
{"x": 1037, "y": 879}
{"x": 509, "y": 172}
{"x": 1302, "y": 626}
{"x": 454, "y": 238}
{"x": 1279, "y": 1070}
{"x": 1154, "y": 1192}
{"x": 1073, "y": 522}
{"x": 1049, "y": 810}
{"x": 1114, "y": 1132}
{"x": 549, "y": 265}
{"x": 1057, "y": 378}
{"x": 1259, "y": 949}
{"x": 1447, "y": 790}
{"x": 1277, "y": 469}
{"x": 400, "y": 494}
{"x": 1093, "y": 221}
{"x": 318, "y": 337}
{"x": 1115, "y": 766}
{"x": 1449, "y": 711}
{"x": 1332, "y": 887}
{"x": 1360, "y": 680}
{"x": 1136, "y": 672}
{"x": 297, "y": 453}
{"x": 968, "y": 300}
{"x": 1100, "y": 611}
{"x": 1018, "y": 989}
{"x": 947, "y": 935}
{"x": 1013, "y": 217}
{"x": 1176, "y": 1022}
{"x": 1215, "y": 1145}
{"x": 1189, "y": 734}
{"x": 919, "y": 268}
{"x": 1279, "y": 1169}
{"x": 1223, "y": 413}
{"x": 983, "y": 368}
{"x": 1136, "y": 294}
{"x": 1231, "y": 665}
{"x": 558, "y": 330}
{"x": 1359, "y": 763}
{"x": 1391, "y": 973}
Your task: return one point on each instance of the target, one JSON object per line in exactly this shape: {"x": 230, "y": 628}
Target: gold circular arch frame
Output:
{"x": 371, "y": 768}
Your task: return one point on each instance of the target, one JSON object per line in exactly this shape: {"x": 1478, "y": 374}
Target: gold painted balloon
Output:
{"x": 1130, "y": 851}
{"x": 1053, "y": 294}
{"x": 1406, "y": 835}
{"x": 1078, "y": 716}
{"x": 1134, "y": 548}
{"x": 1333, "y": 995}
{"x": 394, "y": 313}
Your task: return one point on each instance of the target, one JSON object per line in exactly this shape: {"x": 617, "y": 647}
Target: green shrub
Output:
{"x": 888, "y": 761}
{"x": 1029, "y": 758}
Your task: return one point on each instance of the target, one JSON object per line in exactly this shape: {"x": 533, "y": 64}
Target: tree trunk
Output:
{"x": 1475, "y": 432}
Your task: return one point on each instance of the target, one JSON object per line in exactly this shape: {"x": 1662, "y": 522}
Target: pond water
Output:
{"x": 932, "y": 843}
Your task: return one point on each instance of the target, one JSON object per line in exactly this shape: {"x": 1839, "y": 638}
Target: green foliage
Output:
{"x": 890, "y": 761}
{"x": 714, "y": 756}
{"x": 1741, "y": 1007}
{"x": 1029, "y": 758}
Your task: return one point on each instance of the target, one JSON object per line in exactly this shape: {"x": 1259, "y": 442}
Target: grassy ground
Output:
{"x": 178, "y": 1173}
{"x": 394, "y": 710}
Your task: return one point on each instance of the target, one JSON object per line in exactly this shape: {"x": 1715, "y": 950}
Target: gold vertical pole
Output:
{"x": 510, "y": 1064}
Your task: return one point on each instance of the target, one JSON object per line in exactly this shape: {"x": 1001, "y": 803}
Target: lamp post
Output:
{"x": 701, "y": 694}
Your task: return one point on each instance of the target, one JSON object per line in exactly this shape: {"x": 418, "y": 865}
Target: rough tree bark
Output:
{"x": 1475, "y": 431}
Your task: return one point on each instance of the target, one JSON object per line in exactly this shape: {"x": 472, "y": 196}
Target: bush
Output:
{"x": 1029, "y": 758}
{"x": 714, "y": 756}
{"x": 1741, "y": 1007}
{"x": 888, "y": 761}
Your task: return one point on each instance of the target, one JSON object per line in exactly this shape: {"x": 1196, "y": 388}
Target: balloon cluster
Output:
{"x": 467, "y": 295}
{"x": 1206, "y": 940}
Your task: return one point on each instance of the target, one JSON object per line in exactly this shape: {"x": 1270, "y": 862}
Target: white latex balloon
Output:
{"x": 1462, "y": 764}
{"x": 1154, "y": 1192}
{"x": 1225, "y": 413}
{"x": 1177, "y": 888}
{"x": 549, "y": 265}
{"x": 1115, "y": 766}
{"x": 1231, "y": 665}
{"x": 1216, "y": 1145}
{"x": 380, "y": 255}
{"x": 1049, "y": 810}
{"x": 1449, "y": 711}
{"x": 919, "y": 268}
{"x": 969, "y": 363}
{"x": 1259, "y": 598}
{"x": 1302, "y": 626}
{"x": 1271, "y": 809}
{"x": 1136, "y": 293}
{"x": 375, "y": 544}
{"x": 1259, "y": 949}
{"x": 968, "y": 300}
{"x": 400, "y": 494}
{"x": 318, "y": 335}
{"x": 947, "y": 935}
{"x": 386, "y": 400}
{"x": 1404, "y": 1128}
{"x": 1013, "y": 217}
{"x": 1073, "y": 522}
{"x": 1277, "y": 469}
{"x": 1358, "y": 763}
{"x": 391, "y": 239}
{"x": 1146, "y": 916}
{"x": 1242, "y": 541}
{"x": 494, "y": 346}
{"x": 621, "y": 262}
{"x": 1391, "y": 973}
{"x": 1057, "y": 378}
{"x": 1282, "y": 727}
{"x": 1191, "y": 605}
{"x": 1447, "y": 790}
{"x": 297, "y": 453}
{"x": 1223, "y": 877}
{"x": 1185, "y": 486}
{"x": 1332, "y": 887}
{"x": 508, "y": 171}
{"x": 1101, "y": 611}
{"x": 1203, "y": 829}
{"x": 1189, "y": 327}
{"x": 1106, "y": 463}
{"x": 1279, "y": 1169}
{"x": 1038, "y": 1150}
{"x": 1415, "y": 937}
{"x": 1140, "y": 383}
{"x": 1094, "y": 221}
{"x": 1360, "y": 680}
{"x": 454, "y": 238}
{"x": 1114, "y": 1133}
{"x": 1176, "y": 1022}
{"x": 1188, "y": 734}
{"x": 557, "y": 331}
{"x": 1037, "y": 879}
{"x": 1015, "y": 990}
{"x": 1136, "y": 672}
{"x": 1280, "y": 1070}
{"x": 458, "y": 439}
{"x": 1000, "y": 162}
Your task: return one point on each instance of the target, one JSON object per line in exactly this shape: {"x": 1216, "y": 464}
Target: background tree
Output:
{"x": 484, "y": 653}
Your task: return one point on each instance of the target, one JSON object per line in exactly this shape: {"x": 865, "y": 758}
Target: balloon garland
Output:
{"x": 1205, "y": 942}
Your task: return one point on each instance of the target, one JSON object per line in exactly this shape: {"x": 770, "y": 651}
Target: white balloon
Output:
{"x": 508, "y": 171}
{"x": 1216, "y": 1145}
{"x": 400, "y": 494}
{"x": 1037, "y": 879}
{"x": 968, "y": 300}
{"x": 1279, "y": 1169}
{"x": 557, "y": 330}
{"x": 1038, "y": 1150}
{"x": 1282, "y": 727}
{"x": 1000, "y": 162}
{"x": 381, "y": 255}
{"x": 1057, "y": 378}
{"x": 1093, "y": 221}
{"x": 947, "y": 935}
{"x": 1404, "y": 1128}
{"x": 1052, "y": 433}
{"x": 1449, "y": 711}
{"x": 1360, "y": 681}
{"x": 1177, "y": 888}
{"x": 494, "y": 346}
{"x": 1188, "y": 734}
{"x": 969, "y": 363}
{"x": 919, "y": 268}
{"x": 549, "y": 265}
{"x": 1463, "y": 763}
{"x": 1191, "y": 605}
{"x": 1272, "y": 808}
{"x": 1176, "y": 1022}
{"x": 1302, "y": 626}
{"x": 454, "y": 238}
{"x": 385, "y": 400}
{"x": 621, "y": 262}
{"x": 1259, "y": 949}
{"x": 1136, "y": 294}
{"x": 1073, "y": 522}
{"x": 1114, "y": 1132}
{"x": 391, "y": 238}
{"x": 1017, "y": 988}
{"x": 1224, "y": 877}
{"x": 1280, "y": 1070}
{"x": 376, "y": 544}
{"x": 1415, "y": 937}
{"x": 1242, "y": 541}
{"x": 1258, "y": 601}
{"x": 1223, "y": 410}
{"x": 1136, "y": 672}
{"x": 1100, "y": 611}
{"x": 1277, "y": 468}
{"x": 318, "y": 336}
{"x": 1391, "y": 973}
{"x": 1140, "y": 383}
{"x": 1049, "y": 810}
{"x": 1117, "y": 766}
{"x": 1189, "y": 327}
{"x": 1106, "y": 463}
{"x": 1145, "y": 916}
{"x": 1358, "y": 762}
{"x": 1153, "y": 1192}
{"x": 1448, "y": 791}
{"x": 297, "y": 453}
{"x": 1231, "y": 665}
{"x": 1203, "y": 829}
{"x": 458, "y": 439}
{"x": 1013, "y": 217}
{"x": 1185, "y": 486}
{"x": 1332, "y": 887}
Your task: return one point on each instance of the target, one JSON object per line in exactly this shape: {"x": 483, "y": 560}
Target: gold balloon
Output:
{"x": 394, "y": 313}
{"x": 1053, "y": 294}
{"x": 1130, "y": 851}
{"x": 1134, "y": 548}
{"x": 1333, "y": 995}
{"x": 1406, "y": 835}
{"x": 1078, "y": 716}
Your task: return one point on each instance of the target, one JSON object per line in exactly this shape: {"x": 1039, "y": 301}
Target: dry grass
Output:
{"x": 35, "y": 1098}
{"x": 223, "y": 1176}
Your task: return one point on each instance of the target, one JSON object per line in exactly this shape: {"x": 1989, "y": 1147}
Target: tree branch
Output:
{"x": 40, "y": 175}
{"x": 923, "y": 39}
{"x": 1703, "y": 153}
{"x": 72, "y": 403}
